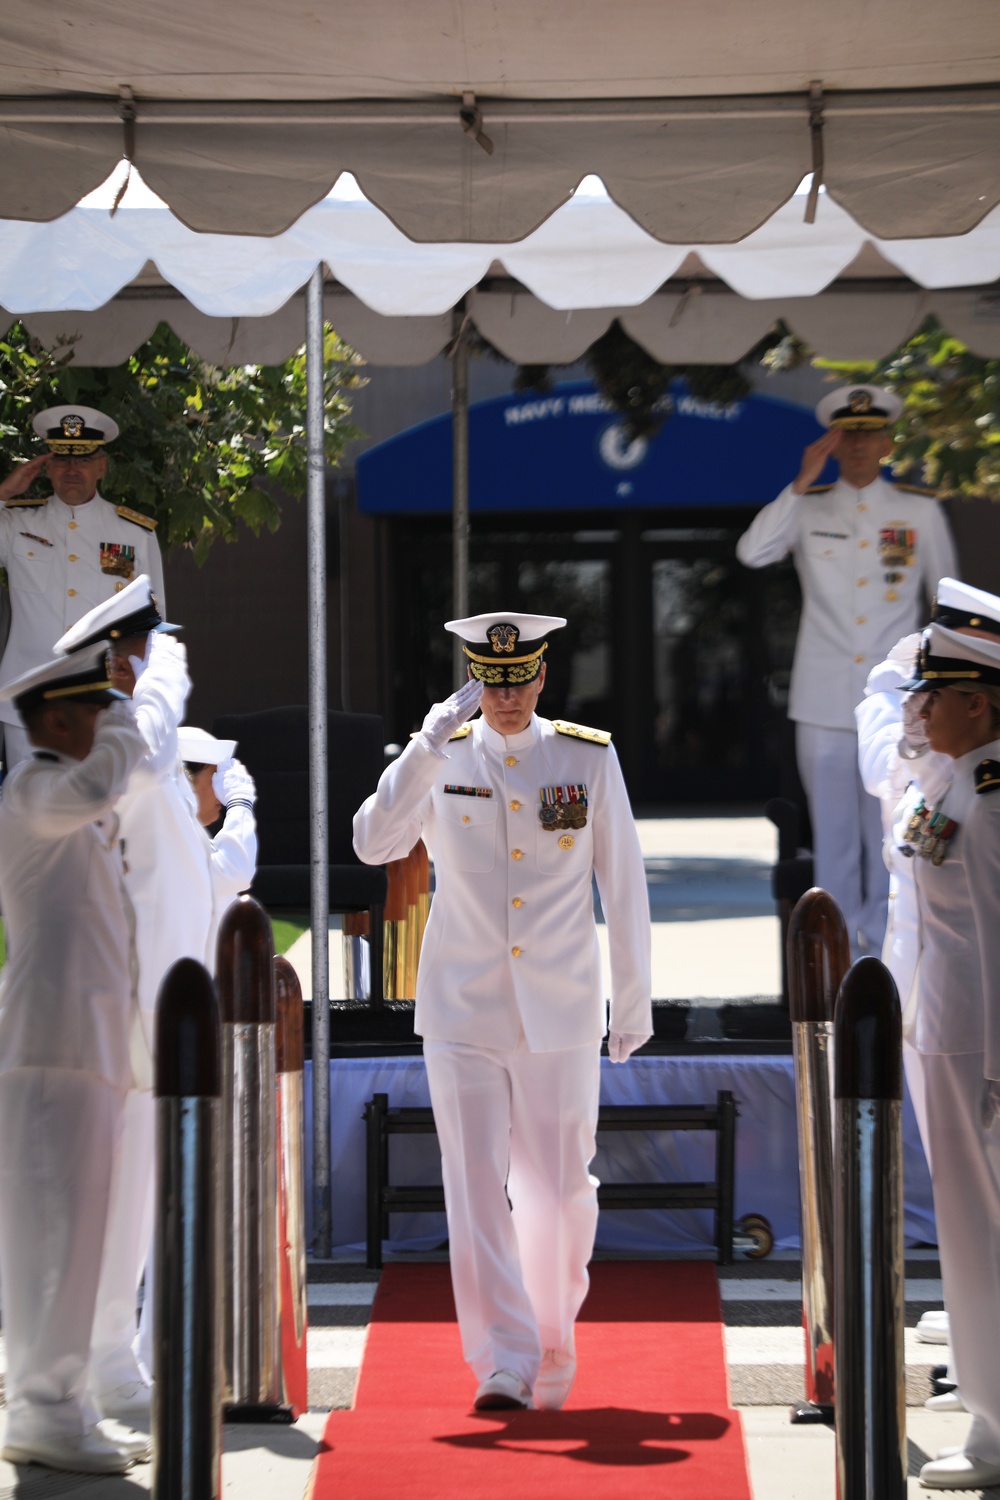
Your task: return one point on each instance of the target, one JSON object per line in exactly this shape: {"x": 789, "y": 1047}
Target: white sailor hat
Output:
{"x": 957, "y": 604}
{"x": 505, "y": 647}
{"x": 74, "y": 429}
{"x": 81, "y": 677}
{"x": 858, "y": 408}
{"x": 201, "y": 748}
{"x": 948, "y": 658}
{"x": 134, "y": 611}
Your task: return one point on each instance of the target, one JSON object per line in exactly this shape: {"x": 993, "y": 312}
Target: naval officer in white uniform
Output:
{"x": 65, "y": 554}
{"x": 956, "y": 842}
{"x": 169, "y": 883}
{"x": 518, "y": 813}
{"x": 67, "y": 999}
{"x": 868, "y": 553}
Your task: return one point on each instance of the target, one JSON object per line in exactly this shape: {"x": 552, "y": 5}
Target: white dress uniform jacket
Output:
{"x": 66, "y": 991}
{"x": 844, "y": 542}
{"x": 511, "y": 941}
{"x": 234, "y": 864}
{"x": 61, "y": 561}
{"x": 958, "y": 981}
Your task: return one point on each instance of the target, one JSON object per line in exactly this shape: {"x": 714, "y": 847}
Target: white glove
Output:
{"x": 444, "y": 718}
{"x": 233, "y": 784}
{"x": 989, "y": 1109}
{"x": 140, "y": 663}
{"x": 914, "y": 742}
{"x": 621, "y": 1044}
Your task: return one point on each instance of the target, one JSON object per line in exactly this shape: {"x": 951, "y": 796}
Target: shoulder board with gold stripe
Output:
{"x": 988, "y": 775}
{"x": 917, "y": 489}
{"x": 127, "y": 514}
{"x": 24, "y": 504}
{"x": 581, "y": 732}
{"x": 818, "y": 489}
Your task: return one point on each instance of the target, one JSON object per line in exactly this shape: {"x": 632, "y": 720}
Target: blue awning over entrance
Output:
{"x": 566, "y": 450}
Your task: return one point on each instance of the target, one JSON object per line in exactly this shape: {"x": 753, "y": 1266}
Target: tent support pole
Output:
{"x": 318, "y": 838}
{"x": 460, "y": 482}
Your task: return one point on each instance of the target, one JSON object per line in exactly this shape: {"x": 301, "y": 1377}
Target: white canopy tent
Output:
{"x": 544, "y": 299}
{"x": 468, "y": 124}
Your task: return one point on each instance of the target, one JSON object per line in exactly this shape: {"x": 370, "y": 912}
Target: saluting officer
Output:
{"x": 519, "y": 813}
{"x": 65, "y": 554}
{"x": 68, "y": 1001}
{"x": 169, "y": 883}
{"x": 867, "y": 552}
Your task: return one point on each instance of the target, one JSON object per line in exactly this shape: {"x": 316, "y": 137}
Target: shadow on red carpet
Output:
{"x": 651, "y": 1394}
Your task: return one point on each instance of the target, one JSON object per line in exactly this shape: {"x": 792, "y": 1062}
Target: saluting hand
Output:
{"x": 444, "y": 718}
{"x": 814, "y": 459}
{"x": 21, "y": 478}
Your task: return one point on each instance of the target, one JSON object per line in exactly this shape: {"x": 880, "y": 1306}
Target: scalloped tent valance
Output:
{"x": 475, "y": 122}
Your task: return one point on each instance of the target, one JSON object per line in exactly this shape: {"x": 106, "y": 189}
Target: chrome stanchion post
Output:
{"x": 245, "y": 973}
{"x": 292, "y": 1293}
{"x": 819, "y": 954}
{"x": 187, "y": 1369}
{"x": 869, "y": 1286}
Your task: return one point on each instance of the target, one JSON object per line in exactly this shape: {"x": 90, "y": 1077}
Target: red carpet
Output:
{"x": 648, "y": 1416}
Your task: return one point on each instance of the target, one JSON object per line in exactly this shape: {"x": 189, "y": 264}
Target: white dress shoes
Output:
{"x": 959, "y": 1471}
{"x": 933, "y": 1327}
{"x": 946, "y": 1401}
{"x": 88, "y": 1453}
{"x": 502, "y": 1391}
{"x": 556, "y": 1374}
{"x": 138, "y": 1445}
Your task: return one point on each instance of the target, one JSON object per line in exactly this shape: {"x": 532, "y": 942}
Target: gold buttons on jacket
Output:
{"x": 72, "y": 593}
{"x": 862, "y": 506}
{"x": 517, "y": 854}
{"x": 514, "y": 806}
{"x": 72, "y": 525}
{"x": 864, "y": 543}
{"x": 511, "y": 760}
{"x": 862, "y": 582}
{"x": 517, "y": 902}
{"x": 72, "y": 557}
{"x": 31, "y": 554}
{"x": 567, "y": 841}
{"x": 515, "y": 952}
{"x": 859, "y": 658}
{"x": 861, "y": 620}
{"x": 465, "y": 817}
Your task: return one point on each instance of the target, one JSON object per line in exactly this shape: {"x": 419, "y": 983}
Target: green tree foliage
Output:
{"x": 203, "y": 449}
{"x": 637, "y": 386}
{"x": 949, "y": 432}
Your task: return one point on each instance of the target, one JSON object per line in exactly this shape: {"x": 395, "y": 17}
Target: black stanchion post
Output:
{"x": 292, "y": 1290}
{"x": 819, "y": 954}
{"x": 869, "y": 1287}
{"x": 187, "y": 1394}
{"x": 245, "y": 972}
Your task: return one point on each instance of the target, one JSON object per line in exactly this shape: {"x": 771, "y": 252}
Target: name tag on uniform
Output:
{"x": 118, "y": 559}
{"x": 469, "y": 791}
{"x": 563, "y": 807}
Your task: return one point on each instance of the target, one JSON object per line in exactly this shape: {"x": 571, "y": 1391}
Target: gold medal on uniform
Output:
{"x": 563, "y": 807}
{"x": 929, "y": 833}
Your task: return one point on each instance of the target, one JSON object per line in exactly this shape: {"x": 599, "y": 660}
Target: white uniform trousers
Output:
{"x": 847, "y": 832}
{"x": 58, "y": 1137}
{"x": 127, "y": 1244}
{"x": 916, "y": 1084}
{"x": 966, "y": 1181}
{"x": 518, "y": 1125}
{"x": 16, "y": 746}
